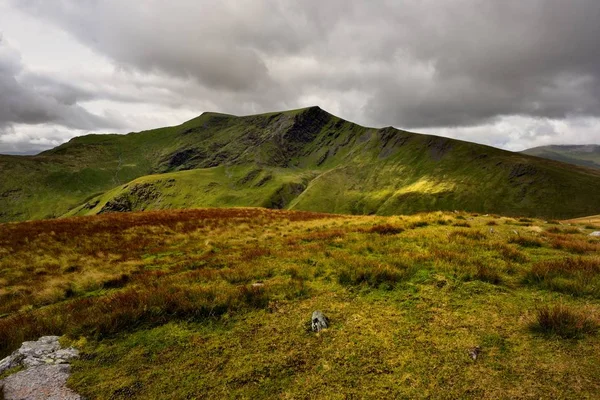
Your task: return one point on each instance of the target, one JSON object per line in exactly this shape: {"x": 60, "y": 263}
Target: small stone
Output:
{"x": 319, "y": 321}
{"x": 595, "y": 234}
{"x": 474, "y": 352}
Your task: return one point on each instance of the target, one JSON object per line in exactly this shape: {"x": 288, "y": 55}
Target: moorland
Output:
{"x": 216, "y": 303}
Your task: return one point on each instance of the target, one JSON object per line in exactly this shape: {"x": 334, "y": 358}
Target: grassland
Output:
{"x": 216, "y": 303}
{"x": 303, "y": 159}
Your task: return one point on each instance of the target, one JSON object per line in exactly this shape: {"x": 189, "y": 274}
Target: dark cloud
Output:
{"x": 410, "y": 63}
{"x": 483, "y": 58}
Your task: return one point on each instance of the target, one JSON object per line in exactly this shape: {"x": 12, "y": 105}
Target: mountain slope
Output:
{"x": 303, "y": 159}
{"x": 585, "y": 155}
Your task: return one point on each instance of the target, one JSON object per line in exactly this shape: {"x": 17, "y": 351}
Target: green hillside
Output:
{"x": 586, "y": 155}
{"x": 304, "y": 159}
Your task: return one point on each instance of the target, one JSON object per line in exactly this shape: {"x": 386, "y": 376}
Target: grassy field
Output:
{"x": 216, "y": 303}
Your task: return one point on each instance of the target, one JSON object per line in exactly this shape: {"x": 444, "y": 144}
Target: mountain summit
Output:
{"x": 303, "y": 159}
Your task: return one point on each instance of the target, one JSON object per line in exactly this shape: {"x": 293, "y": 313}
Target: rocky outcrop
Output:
{"x": 46, "y": 371}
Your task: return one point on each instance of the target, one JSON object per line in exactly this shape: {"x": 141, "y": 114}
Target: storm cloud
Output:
{"x": 510, "y": 73}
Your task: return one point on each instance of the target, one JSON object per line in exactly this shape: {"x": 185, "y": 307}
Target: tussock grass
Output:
{"x": 526, "y": 241}
{"x": 375, "y": 275}
{"x": 564, "y": 322}
{"x": 469, "y": 234}
{"x": 577, "y": 245}
{"x": 385, "y": 229}
{"x": 461, "y": 224}
{"x": 576, "y": 276}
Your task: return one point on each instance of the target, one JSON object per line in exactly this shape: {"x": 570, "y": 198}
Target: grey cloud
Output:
{"x": 39, "y": 103}
{"x": 411, "y": 63}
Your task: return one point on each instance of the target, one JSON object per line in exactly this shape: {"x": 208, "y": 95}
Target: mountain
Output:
{"x": 587, "y": 155}
{"x": 304, "y": 159}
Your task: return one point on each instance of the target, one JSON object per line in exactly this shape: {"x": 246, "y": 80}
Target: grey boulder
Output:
{"x": 319, "y": 321}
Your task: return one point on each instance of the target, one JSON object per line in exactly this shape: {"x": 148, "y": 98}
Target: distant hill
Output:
{"x": 587, "y": 155}
{"x": 304, "y": 159}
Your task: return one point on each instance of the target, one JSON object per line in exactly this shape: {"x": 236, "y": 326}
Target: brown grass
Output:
{"x": 576, "y": 276}
{"x": 385, "y": 229}
{"x": 564, "y": 322}
{"x": 526, "y": 241}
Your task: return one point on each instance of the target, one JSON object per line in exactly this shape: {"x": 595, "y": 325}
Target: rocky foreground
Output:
{"x": 46, "y": 370}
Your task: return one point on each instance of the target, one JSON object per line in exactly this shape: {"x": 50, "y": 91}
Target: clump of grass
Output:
{"x": 491, "y": 223}
{"x": 468, "y": 234}
{"x": 386, "y": 229}
{"x": 509, "y": 253}
{"x": 563, "y": 322}
{"x": 566, "y": 266}
{"x": 526, "y": 241}
{"x": 488, "y": 274}
{"x": 374, "y": 275}
{"x": 462, "y": 224}
{"x": 484, "y": 273}
{"x": 576, "y": 276}
{"x": 578, "y": 246}
{"x": 418, "y": 224}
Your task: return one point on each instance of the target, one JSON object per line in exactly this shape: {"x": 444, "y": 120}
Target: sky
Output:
{"x": 512, "y": 74}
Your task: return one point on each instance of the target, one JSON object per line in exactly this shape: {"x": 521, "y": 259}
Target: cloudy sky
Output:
{"x": 513, "y": 73}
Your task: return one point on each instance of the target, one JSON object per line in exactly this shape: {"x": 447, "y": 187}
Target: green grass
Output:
{"x": 305, "y": 159}
{"x": 215, "y": 303}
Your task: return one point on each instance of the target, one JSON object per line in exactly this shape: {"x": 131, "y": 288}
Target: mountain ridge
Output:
{"x": 587, "y": 155}
{"x": 306, "y": 159}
